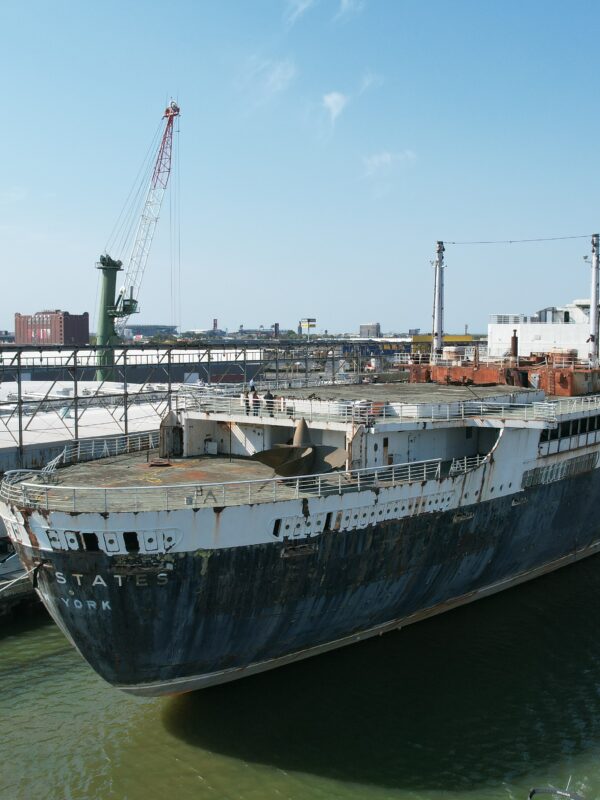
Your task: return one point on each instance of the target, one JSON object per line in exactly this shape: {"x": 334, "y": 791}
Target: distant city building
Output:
{"x": 259, "y": 333}
{"x": 563, "y": 329}
{"x": 372, "y": 330}
{"x": 204, "y": 333}
{"x": 52, "y": 327}
{"x": 135, "y": 330}
{"x": 7, "y": 337}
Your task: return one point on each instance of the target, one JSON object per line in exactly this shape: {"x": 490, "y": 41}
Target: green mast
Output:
{"x": 108, "y": 312}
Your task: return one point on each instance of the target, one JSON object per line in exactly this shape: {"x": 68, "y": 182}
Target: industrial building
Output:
{"x": 370, "y": 330}
{"x": 52, "y": 327}
{"x": 135, "y": 330}
{"x": 561, "y": 330}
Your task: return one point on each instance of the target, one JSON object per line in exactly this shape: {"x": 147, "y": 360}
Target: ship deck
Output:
{"x": 130, "y": 483}
{"x": 135, "y": 481}
{"x": 402, "y": 392}
{"x": 138, "y": 469}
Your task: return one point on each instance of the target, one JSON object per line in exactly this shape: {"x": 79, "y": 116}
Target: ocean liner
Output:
{"x": 270, "y": 529}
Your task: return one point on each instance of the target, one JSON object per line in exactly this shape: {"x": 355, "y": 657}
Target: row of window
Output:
{"x": 572, "y": 427}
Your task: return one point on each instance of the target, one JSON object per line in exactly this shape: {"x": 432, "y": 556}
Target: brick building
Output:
{"x": 52, "y": 327}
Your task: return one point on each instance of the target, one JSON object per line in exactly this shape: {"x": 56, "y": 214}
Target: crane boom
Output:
{"x": 126, "y": 302}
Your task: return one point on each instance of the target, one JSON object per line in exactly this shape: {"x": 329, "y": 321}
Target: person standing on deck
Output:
{"x": 269, "y": 402}
{"x": 246, "y": 398}
{"x": 255, "y": 402}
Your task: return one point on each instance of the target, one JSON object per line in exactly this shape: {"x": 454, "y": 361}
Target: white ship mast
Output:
{"x": 438, "y": 303}
{"x": 593, "y": 339}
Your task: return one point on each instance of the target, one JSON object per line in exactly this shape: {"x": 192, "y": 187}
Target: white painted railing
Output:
{"x": 466, "y": 464}
{"x": 105, "y": 447}
{"x": 572, "y": 405}
{"x": 357, "y": 412}
{"x": 23, "y": 490}
{"x": 467, "y": 358}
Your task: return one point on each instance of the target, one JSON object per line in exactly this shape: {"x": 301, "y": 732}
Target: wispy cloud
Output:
{"x": 277, "y": 76}
{"x": 382, "y": 162}
{"x": 295, "y": 9}
{"x": 348, "y": 8}
{"x": 264, "y": 78}
{"x": 370, "y": 80}
{"x": 334, "y": 103}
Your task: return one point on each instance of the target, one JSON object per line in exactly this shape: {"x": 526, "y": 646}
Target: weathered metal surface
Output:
{"x": 205, "y": 612}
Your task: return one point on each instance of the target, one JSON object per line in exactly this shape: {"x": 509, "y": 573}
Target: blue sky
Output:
{"x": 324, "y": 147}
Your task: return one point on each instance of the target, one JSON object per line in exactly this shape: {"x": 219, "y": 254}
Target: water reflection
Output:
{"x": 499, "y": 690}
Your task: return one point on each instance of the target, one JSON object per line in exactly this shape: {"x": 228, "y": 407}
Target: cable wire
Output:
{"x": 520, "y": 241}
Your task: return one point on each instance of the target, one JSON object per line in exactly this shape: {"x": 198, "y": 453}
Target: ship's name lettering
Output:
{"x": 90, "y": 605}
{"x": 142, "y": 579}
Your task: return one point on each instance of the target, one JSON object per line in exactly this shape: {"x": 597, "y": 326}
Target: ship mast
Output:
{"x": 593, "y": 339}
{"x": 438, "y": 303}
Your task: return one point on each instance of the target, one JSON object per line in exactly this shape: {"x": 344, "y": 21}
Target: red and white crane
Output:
{"x": 126, "y": 302}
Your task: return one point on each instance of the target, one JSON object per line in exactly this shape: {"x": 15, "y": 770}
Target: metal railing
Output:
{"x": 466, "y": 464}
{"x": 105, "y": 447}
{"x": 20, "y": 490}
{"x": 571, "y": 405}
{"x": 468, "y": 358}
{"x": 356, "y": 412}
{"x": 261, "y": 384}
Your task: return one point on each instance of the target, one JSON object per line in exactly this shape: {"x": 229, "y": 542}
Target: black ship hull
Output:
{"x": 156, "y": 624}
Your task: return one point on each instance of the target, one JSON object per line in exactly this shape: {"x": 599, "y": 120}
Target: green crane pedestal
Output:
{"x": 106, "y": 336}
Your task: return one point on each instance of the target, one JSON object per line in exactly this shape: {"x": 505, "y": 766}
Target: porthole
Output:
{"x": 150, "y": 540}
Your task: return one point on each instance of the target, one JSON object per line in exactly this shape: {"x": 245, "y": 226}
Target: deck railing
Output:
{"x": 466, "y": 464}
{"x": 357, "y": 412}
{"x": 572, "y": 405}
{"x": 105, "y": 447}
{"x": 24, "y": 490}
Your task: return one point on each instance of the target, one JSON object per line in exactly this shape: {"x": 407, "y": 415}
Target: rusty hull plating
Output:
{"x": 207, "y": 589}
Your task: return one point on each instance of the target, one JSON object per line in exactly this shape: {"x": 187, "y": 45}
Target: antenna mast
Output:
{"x": 593, "y": 338}
{"x": 438, "y": 303}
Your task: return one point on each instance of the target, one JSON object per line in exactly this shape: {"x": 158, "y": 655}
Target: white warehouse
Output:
{"x": 564, "y": 330}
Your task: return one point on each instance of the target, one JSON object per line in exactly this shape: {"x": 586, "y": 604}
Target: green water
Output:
{"x": 486, "y": 701}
